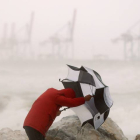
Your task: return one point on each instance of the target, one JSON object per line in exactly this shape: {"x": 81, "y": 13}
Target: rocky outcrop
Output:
{"x": 8, "y": 134}
{"x": 137, "y": 137}
{"x": 69, "y": 128}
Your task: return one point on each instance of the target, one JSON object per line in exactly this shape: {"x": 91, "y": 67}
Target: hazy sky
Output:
{"x": 97, "y": 22}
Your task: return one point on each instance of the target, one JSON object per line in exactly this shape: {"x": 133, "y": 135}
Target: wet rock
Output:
{"x": 69, "y": 128}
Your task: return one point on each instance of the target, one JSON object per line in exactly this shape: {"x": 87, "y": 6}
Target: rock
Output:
{"x": 137, "y": 137}
{"x": 69, "y": 128}
{"x": 8, "y": 134}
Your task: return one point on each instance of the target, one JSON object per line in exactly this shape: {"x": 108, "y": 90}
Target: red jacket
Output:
{"x": 44, "y": 109}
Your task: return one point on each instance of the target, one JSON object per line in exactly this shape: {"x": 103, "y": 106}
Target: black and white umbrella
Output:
{"x": 86, "y": 81}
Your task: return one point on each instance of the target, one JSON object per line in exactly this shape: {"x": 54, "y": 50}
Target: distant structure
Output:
{"x": 62, "y": 41}
{"x": 131, "y": 40}
{"x": 17, "y": 43}
{"x": 7, "y": 42}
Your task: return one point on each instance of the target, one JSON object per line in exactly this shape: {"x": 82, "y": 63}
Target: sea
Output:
{"x": 23, "y": 81}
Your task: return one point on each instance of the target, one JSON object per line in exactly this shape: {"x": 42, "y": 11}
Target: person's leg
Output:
{"x": 33, "y": 134}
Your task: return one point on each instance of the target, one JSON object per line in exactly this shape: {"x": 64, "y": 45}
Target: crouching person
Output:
{"x": 46, "y": 108}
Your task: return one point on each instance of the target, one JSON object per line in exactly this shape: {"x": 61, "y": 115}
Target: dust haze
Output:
{"x": 38, "y": 39}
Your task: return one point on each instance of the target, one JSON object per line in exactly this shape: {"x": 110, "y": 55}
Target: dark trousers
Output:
{"x": 33, "y": 134}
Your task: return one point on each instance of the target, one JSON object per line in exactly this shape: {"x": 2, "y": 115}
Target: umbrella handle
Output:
{"x": 65, "y": 109}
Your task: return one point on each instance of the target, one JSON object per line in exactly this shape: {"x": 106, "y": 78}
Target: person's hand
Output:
{"x": 88, "y": 97}
{"x": 58, "y": 113}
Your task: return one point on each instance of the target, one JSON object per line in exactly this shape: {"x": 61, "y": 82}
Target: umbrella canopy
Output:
{"x": 86, "y": 81}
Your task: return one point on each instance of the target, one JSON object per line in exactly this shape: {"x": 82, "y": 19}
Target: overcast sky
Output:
{"x": 97, "y": 22}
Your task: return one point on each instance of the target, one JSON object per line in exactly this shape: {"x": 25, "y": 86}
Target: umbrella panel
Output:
{"x": 75, "y": 86}
{"x": 85, "y": 77}
{"x": 81, "y": 76}
{"x": 98, "y": 83}
{"x": 99, "y": 77}
{"x": 99, "y": 119}
{"x": 99, "y": 100}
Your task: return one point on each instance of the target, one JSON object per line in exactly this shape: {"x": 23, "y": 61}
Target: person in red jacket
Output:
{"x": 46, "y": 108}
